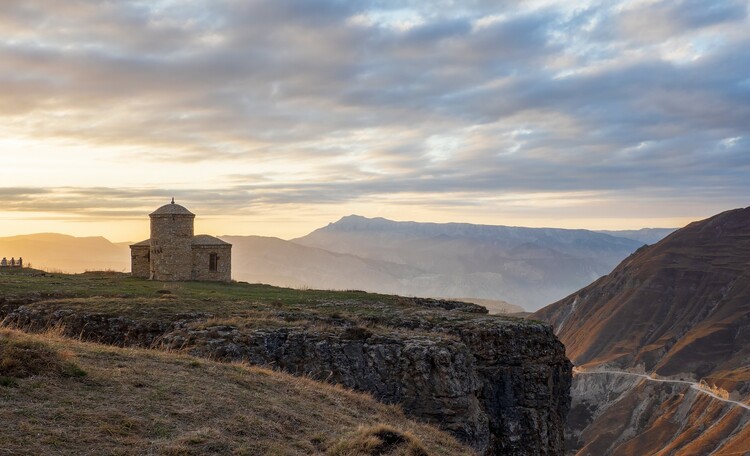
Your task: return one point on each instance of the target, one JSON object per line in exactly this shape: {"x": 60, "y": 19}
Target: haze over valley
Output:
{"x": 526, "y": 267}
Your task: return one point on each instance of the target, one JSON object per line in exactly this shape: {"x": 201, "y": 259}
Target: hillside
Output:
{"x": 64, "y": 397}
{"x": 499, "y": 384}
{"x": 679, "y": 309}
{"x": 524, "y": 266}
{"x": 682, "y": 305}
{"x": 66, "y": 253}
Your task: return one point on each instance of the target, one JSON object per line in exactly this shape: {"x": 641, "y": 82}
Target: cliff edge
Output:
{"x": 499, "y": 384}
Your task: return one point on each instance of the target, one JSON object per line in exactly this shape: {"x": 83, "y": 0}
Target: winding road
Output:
{"x": 693, "y": 385}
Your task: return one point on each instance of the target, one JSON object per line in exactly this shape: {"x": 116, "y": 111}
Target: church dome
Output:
{"x": 172, "y": 209}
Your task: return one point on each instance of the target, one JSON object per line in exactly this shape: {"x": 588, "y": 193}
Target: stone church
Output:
{"x": 174, "y": 253}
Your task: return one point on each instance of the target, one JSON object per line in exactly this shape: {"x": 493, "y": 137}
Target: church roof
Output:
{"x": 204, "y": 239}
{"x": 201, "y": 239}
{"x": 172, "y": 209}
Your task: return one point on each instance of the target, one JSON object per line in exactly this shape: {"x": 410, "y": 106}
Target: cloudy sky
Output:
{"x": 275, "y": 117}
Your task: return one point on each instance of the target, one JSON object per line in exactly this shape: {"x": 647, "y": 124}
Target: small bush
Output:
{"x": 356, "y": 333}
{"x": 379, "y": 440}
{"x": 8, "y": 382}
{"x": 21, "y": 358}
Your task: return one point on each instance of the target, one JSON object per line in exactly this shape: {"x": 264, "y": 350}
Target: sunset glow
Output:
{"x": 278, "y": 117}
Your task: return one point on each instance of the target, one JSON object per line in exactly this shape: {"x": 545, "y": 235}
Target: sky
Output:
{"x": 275, "y": 117}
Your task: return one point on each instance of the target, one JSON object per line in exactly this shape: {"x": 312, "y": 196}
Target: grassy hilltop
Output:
{"x": 64, "y": 396}
{"x": 243, "y": 304}
{"x": 446, "y": 363}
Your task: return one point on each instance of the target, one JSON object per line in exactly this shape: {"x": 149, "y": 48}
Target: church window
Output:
{"x": 213, "y": 262}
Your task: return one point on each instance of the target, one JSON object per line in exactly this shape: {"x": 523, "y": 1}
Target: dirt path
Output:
{"x": 694, "y": 385}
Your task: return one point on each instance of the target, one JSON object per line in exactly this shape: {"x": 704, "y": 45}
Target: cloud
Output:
{"x": 473, "y": 99}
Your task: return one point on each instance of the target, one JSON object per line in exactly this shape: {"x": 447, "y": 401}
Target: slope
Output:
{"x": 678, "y": 310}
{"x": 682, "y": 305}
{"x": 109, "y": 400}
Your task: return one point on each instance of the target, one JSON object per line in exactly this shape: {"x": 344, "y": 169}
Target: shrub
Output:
{"x": 379, "y": 440}
{"x": 20, "y": 358}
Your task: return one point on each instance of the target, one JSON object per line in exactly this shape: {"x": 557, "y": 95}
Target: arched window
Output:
{"x": 213, "y": 262}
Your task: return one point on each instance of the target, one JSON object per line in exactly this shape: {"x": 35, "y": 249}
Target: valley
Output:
{"x": 661, "y": 347}
{"x": 658, "y": 343}
{"x": 693, "y": 385}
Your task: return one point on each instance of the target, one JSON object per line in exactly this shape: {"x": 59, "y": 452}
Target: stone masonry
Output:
{"x": 174, "y": 253}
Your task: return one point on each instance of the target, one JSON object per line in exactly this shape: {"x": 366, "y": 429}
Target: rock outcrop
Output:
{"x": 501, "y": 385}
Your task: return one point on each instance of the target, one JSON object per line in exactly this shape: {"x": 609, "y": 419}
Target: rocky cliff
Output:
{"x": 499, "y": 384}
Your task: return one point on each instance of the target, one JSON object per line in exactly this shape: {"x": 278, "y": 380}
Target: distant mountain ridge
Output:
{"x": 524, "y": 266}
{"x": 645, "y": 235}
{"x": 283, "y": 263}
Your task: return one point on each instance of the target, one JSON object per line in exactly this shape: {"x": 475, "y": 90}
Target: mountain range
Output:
{"x": 524, "y": 266}
{"x": 527, "y": 267}
{"x": 677, "y": 314}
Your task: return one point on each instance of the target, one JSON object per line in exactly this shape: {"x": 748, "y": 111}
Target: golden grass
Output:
{"x": 133, "y": 402}
{"x": 379, "y": 440}
{"x": 22, "y": 358}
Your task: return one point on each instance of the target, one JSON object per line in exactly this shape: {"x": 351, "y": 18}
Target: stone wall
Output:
{"x": 139, "y": 261}
{"x": 171, "y": 246}
{"x": 201, "y": 259}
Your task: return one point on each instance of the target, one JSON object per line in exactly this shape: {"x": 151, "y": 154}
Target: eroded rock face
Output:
{"x": 500, "y": 385}
{"x": 621, "y": 415}
{"x": 433, "y": 378}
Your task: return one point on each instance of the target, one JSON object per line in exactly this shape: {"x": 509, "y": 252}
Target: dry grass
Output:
{"x": 133, "y": 402}
{"x": 23, "y": 358}
{"x": 379, "y": 440}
